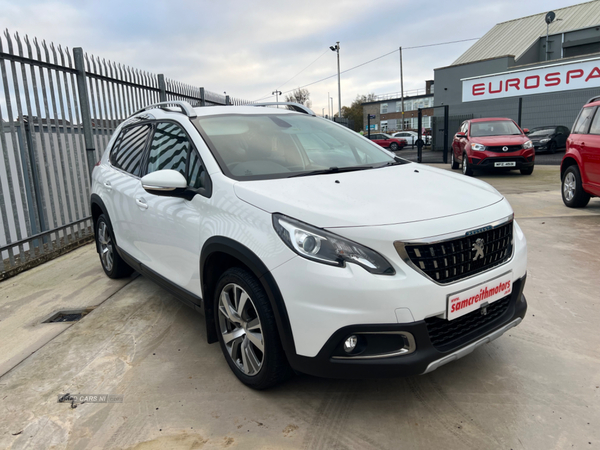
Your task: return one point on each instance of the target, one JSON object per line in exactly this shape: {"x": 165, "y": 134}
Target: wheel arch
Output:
{"x": 567, "y": 162}
{"x": 220, "y": 253}
{"x": 98, "y": 207}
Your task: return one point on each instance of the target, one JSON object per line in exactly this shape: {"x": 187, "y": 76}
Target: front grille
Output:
{"x": 458, "y": 258}
{"x": 498, "y": 148}
{"x": 444, "y": 333}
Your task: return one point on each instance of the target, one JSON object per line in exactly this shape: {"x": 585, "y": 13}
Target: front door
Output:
{"x": 169, "y": 235}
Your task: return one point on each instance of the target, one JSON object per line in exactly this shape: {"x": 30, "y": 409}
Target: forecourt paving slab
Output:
{"x": 537, "y": 387}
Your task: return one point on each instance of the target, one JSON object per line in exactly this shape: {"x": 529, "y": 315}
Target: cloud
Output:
{"x": 249, "y": 49}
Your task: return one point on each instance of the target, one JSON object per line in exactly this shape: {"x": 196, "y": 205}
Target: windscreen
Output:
{"x": 494, "y": 128}
{"x": 540, "y": 132}
{"x": 265, "y": 146}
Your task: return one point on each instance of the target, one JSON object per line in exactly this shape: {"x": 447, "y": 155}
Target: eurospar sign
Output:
{"x": 540, "y": 80}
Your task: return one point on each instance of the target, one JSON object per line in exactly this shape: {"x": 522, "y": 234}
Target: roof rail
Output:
{"x": 297, "y": 106}
{"x": 185, "y": 107}
{"x": 593, "y": 99}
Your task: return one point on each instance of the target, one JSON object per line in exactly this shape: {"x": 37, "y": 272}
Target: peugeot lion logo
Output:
{"x": 505, "y": 148}
{"x": 478, "y": 248}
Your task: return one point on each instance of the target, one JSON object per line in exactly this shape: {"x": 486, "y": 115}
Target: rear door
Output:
{"x": 562, "y": 133}
{"x": 122, "y": 181}
{"x": 590, "y": 153}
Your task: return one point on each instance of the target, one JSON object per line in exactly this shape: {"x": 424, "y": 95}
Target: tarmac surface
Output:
{"x": 536, "y": 387}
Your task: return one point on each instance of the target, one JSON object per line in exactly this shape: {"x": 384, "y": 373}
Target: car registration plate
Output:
{"x": 464, "y": 302}
{"x": 505, "y": 164}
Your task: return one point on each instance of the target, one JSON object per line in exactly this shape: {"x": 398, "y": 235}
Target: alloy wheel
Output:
{"x": 569, "y": 186}
{"x": 106, "y": 246}
{"x": 241, "y": 329}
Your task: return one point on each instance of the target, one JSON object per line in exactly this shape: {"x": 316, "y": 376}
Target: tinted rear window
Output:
{"x": 129, "y": 149}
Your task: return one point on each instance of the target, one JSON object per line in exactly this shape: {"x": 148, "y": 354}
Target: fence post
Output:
{"x": 202, "y": 97}
{"x": 420, "y": 140}
{"x": 37, "y": 191}
{"x": 227, "y": 100}
{"x": 446, "y": 125}
{"x": 162, "y": 87}
{"x": 84, "y": 104}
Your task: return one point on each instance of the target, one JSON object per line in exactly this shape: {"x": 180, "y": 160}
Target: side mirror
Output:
{"x": 525, "y": 130}
{"x": 460, "y": 134}
{"x": 166, "y": 183}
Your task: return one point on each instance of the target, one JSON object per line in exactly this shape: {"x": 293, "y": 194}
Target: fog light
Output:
{"x": 350, "y": 344}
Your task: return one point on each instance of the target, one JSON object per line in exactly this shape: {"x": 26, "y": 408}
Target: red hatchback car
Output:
{"x": 385, "y": 140}
{"x": 580, "y": 167}
{"x": 494, "y": 143}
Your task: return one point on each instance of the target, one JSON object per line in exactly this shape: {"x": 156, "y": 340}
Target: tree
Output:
{"x": 354, "y": 112}
{"x": 301, "y": 96}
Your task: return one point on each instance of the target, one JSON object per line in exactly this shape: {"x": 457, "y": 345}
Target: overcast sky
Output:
{"x": 251, "y": 48}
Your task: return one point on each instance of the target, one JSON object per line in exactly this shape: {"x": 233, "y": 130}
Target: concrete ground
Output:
{"x": 537, "y": 387}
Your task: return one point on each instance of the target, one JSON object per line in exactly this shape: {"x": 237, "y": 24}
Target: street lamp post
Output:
{"x": 331, "y": 101}
{"x": 336, "y": 48}
{"x": 277, "y": 94}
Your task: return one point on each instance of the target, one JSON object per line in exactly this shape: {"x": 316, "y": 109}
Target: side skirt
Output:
{"x": 185, "y": 296}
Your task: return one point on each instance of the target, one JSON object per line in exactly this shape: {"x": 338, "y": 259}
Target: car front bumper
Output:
{"x": 488, "y": 163}
{"x": 426, "y": 355}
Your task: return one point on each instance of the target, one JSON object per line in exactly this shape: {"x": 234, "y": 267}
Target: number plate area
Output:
{"x": 505, "y": 164}
{"x": 464, "y": 302}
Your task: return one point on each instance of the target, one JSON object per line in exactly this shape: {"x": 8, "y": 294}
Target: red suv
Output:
{"x": 495, "y": 143}
{"x": 580, "y": 167}
{"x": 385, "y": 140}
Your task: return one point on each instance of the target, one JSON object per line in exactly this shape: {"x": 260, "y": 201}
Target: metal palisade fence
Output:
{"x": 58, "y": 110}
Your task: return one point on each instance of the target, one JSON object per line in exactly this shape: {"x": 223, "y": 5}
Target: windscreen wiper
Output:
{"x": 331, "y": 170}
{"x": 396, "y": 162}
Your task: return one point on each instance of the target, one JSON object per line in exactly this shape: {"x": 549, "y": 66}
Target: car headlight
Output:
{"x": 322, "y": 246}
{"x": 478, "y": 147}
{"x": 543, "y": 141}
{"x": 527, "y": 145}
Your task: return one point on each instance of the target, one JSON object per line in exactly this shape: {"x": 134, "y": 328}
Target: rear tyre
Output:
{"x": 112, "y": 263}
{"x": 466, "y": 167}
{"x": 453, "y": 162}
{"x": 247, "y": 330}
{"x": 528, "y": 171}
{"x": 394, "y": 147}
{"x": 573, "y": 194}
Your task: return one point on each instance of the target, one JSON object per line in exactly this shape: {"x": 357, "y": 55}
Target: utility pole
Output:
{"x": 401, "y": 91}
{"x": 336, "y": 48}
{"x": 328, "y": 106}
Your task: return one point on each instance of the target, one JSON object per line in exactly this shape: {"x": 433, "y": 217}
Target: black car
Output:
{"x": 549, "y": 138}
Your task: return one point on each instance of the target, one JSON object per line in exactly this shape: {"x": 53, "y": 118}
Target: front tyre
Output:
{"x": 466, "y": 167}
{"x": 453, "y": 162}
{"x": 112, "y": 263}
{"x": 394, "y": 147}
{"x": 573, "y": 194}
{"x": 247, "y": 330}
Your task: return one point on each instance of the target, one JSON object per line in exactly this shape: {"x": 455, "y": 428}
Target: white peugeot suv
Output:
{"x": 306, "y": 246}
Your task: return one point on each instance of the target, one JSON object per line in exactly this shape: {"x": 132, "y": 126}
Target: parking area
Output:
{"x": 537, "y": 387}
{"x": 428, "y": 156}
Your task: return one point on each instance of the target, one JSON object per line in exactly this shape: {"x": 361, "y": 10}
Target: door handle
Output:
{"x": 141, "y": 203}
